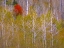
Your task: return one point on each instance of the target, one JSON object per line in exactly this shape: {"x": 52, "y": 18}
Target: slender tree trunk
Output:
{"x": 51, "y": 22}
{"x": 44, "y": 33}
{"x": 23, "y": 24}
{"x": 33, "y": 30}
{"x": 2, "y": 24}
{"x": 27, "y": 7}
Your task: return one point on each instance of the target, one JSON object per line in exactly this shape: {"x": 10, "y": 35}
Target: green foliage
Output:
{"x": 9, "y": 2}
{"x": 48, "y": 16}
{"x": 59, "y": 25}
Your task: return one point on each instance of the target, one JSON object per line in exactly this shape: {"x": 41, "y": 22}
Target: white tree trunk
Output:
{"x": 27, "y": 8}
{"x": 44, "y": 33}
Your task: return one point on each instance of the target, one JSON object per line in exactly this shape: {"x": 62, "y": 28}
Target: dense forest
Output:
{"x": 32, "y": 24}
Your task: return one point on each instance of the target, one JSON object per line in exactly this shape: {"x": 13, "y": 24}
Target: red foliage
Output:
{"x": 18, "y": 9}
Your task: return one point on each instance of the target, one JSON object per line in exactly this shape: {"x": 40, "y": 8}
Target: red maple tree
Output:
{"x": 18, "y": 10}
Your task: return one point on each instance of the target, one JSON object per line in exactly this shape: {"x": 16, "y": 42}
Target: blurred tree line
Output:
{"x": 40, "y": 6}
{"x": 41, "y": 28}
